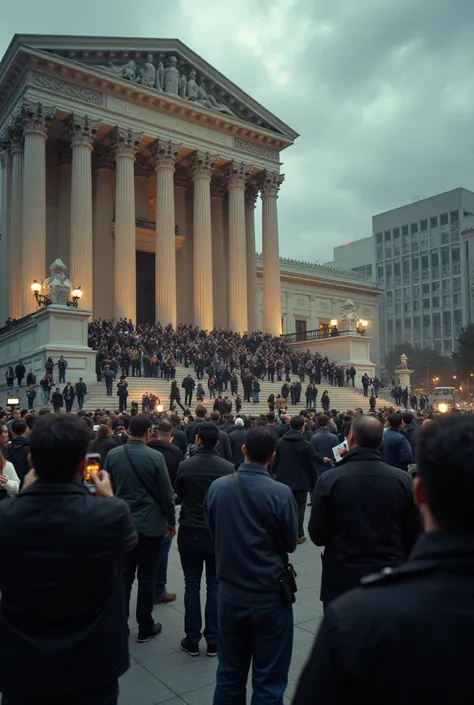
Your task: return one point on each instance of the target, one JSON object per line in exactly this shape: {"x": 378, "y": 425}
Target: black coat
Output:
{"x": 223, "y": 445}
{"x": 17, "y": 453}
{"x": 172, "y": 455}
{"x": 363, "y": 514}
{"x": 57, "y": 400}
{"x": 404, "y": 637}
{"x": 63, "y": 602}
{"x": 296, "y": 461}
{"x": 237, "y": 440}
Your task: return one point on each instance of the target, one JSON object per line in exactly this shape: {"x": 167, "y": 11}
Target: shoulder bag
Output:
{"x": 287, "y": 581}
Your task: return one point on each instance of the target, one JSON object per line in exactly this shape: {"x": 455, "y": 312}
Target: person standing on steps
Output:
{"x": 352, "y": 374}
{"x": 20, "y": 371}
{"x": 62, "y": 365}
{"x": 122, "y": 393}
{"x": 68, "y": 396}
{"x": 109, "y": 377}
{"x": 57, "y": 401}
{"x": 188, "y": 384}
{"x": 81, "y": 391}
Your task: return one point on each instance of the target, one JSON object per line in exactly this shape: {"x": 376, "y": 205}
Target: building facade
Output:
{"x": 425, "y": 266}
{"x": 138, "y": 165}
{"x": 357, "y": 255}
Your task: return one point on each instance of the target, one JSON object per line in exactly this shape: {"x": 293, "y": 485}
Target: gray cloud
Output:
{"x": 380, "y": 91}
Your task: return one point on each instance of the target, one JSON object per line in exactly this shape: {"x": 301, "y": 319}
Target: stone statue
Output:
{"x": 208, "y": 101}
{"x": 57, "y": 286}
{"x": 182, "y": 87}
{"x": 127, "y": 71}
{"x": 147, "y": 74}
{"x": 172, "y": 77}
{"x": 403, "y": 363}
{"x": 192, "y": 88}
{"x": 348, "y": 317}
{"x": 160, "y": 76}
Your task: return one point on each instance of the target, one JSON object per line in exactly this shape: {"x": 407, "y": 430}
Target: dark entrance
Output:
{"x": 145, "y": 262}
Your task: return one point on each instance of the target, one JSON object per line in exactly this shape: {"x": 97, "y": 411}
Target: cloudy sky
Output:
{"x": 381, "y": 92}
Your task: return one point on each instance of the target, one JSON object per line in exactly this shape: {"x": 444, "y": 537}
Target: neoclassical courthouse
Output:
{"x": 139, "y": 165}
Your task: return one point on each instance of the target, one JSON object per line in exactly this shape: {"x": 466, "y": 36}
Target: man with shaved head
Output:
{"x": 363, "y": 512}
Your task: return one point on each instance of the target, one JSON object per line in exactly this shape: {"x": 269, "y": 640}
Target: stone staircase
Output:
{"x": 342, "y": 398}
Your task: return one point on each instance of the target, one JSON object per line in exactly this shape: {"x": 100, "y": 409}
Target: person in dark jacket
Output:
{"x": 188, "y": 384}
{"x": 173, "y": 457}
{"x": 409, "y": 430}
{"x": 103, "y": 443}
{"x": 10, "y": 376}
{"x": 391, "y": 616}
{"x": 196, "y": 548}
{"x": 295, "y": 465}
{"x": 62, "y": 604}
{"x": 178, "y": 438}
{"x": 68, "y": 396}
{"x": 363, "y": 513}
{"x": 223, "y": 446}
{"x": 325, "y": 402}
{"x": 323, "y": 441}
{"x": 18, "y": 450}
{"x": 31, "y": 396}
{"x": 396, "y": 449}
{"x": 20, "y": 371}
{"x": 122, "y": 392}
{"x": 237, "y": 440}
{"x": 57, "y": 401}
{"x": 175, "y": 395}
{"x": 80, "y": 389}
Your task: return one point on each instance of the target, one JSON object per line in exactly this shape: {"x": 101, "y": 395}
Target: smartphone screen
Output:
{"x": 93, "y": 465}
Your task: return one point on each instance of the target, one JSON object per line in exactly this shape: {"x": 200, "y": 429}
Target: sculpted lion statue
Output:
{"x": 348, "y": 317}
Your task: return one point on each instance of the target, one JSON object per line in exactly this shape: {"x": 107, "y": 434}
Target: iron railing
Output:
{"x": 308, "y": 335}
{"x": 10, "y": 325}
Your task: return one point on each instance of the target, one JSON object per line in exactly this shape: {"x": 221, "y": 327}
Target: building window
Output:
{"x": 416, "y": 305}
{"x": 426, "y": 303}
{"x": 424, "y": 225}
{"x": 396, "y": 232}
{"x": 454, "y": 216}
{"x": 446, "y": 286}
{"x": 378, "y": 238}
{"x": 437, "y": 346}
{"x": 300, "y": 328}
{"x": 445, "y": 238}
{"x": 448, "y": 345}
{"x": 414, "y": 228}
{"x": 435, "y": 301}
{"x": 434, "y": 222}
{"x": 436, "y": 325}
{"x": 425, "y": 289}
{"x": 398, "y": 295}
{"x": 447, "y": 301}
{"x": 405, "y": 230}
{"x": 457, "y": 284}
{"x": 416, "y": 290}
{"x": 434, "y": 287}
{"x": 457, "y": 300}
{"x": 443, "y": 219}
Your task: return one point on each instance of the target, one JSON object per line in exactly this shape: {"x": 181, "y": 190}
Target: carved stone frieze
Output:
{"x": 202, "y": 165}
{"x": 56, "y": 85}
{"x": 82, "y": 130}
{"x": 165, "y": 153}
{"x": 126, "y": 142}
{"x": 270, "y": 182}
{"x": 258, "y": 150}
{"x": 237, "y": 174}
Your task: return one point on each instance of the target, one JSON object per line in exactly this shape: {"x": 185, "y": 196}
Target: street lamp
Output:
{"x": 41, "y": 299}
{"x": 361, "y": 326}
{"x": 76, "y": 296}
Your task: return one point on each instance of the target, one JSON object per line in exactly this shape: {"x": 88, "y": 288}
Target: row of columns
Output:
{"x": 82, "y": 214}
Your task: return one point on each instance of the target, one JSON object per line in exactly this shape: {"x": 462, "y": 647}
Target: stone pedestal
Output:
{"x": 403, "y": 373}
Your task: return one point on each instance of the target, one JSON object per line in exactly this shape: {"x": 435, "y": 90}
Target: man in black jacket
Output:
{"x": 363, "y": 513}
{"x": 295, "y": 465}
{"x": 20, "y": 371}
{"x": 195, "y": 476}
{"x": 223, "y": 445}
{"x": 237, "y": 440}
{"x": 63, "y": 602}
{"x": 18, "y": 450}
{"x": 188, "y": 384}
{"x": 411, "y": 628}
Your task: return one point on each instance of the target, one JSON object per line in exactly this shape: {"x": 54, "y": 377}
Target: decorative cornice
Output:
{"x": 236, "y": 174}
{"x": 202, "y": 165}
{"x": 126, "y": 142}
{"x": 82, "y": 130}
{"x": 72, "y": 90}
{"x": 164, "y": 153}
{"x": 256, "y": 149}
{"x": 270, "y": 182}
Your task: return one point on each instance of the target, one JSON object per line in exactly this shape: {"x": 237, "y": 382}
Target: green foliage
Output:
{"x": 463, "y": 358}
{"x": 425, "y": 362}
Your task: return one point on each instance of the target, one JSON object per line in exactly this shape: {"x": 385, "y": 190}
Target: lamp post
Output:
{"x": 76, "y": 297}
{"x": 41, "y": 299}
{"x": 362, "y": 326}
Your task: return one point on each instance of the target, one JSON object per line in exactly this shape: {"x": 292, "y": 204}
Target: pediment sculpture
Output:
{"x": 167, "y": 79}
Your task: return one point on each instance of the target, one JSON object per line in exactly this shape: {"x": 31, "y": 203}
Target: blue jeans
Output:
{"x": 45, "y": 397}
{"x": 162, "y": 575}
{"x": 261, "y": 635}
{"x": 106, "y": 695}
{"x": 256, "y": 397}
{"x": 195, "y": 549}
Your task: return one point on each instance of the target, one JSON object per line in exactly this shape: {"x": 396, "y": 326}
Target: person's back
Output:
{"x": 396, "y": 449}
{"x": 411, "y": 629}
{"x": 61, "y": 550}
{"x": 323, "y": 441}
{"x": 362, "y": 513}
{"x": 18, "y": 450}
{"x": 237, "y": 440}
{"x": 255, "y": 621}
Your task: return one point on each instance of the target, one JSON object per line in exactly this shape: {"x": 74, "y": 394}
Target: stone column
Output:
{"x": 33, "y": 243}
{"x": 270, "y": 184}
{"x": 143, "y": 170}
{"x": 64, "y": 202}
{"x": 103, "y": 245}
{"x": 250, "y": 198}
{"x": 165, "y": 155}
{"x": 5, "y": 169}
{"x": 201, "y": 170}
{"x": 184, "y": 258}
{"x": 220, "y": 269}
{"x": 126, "y": 144}
{"x": 82, "y": 131}
{"x": 15, "y": 270}
{"x": 236, "y": 178}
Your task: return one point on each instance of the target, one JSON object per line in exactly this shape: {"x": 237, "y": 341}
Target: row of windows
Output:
{"x": 435, "y": 287}
{"x": 424, "y": 268}
{"x": 421, "y": 243}
{"x": 421, "y": 226}
{"x": 441, "y": 347}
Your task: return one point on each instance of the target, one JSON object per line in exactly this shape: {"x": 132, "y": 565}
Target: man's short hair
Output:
{"x": 367, "y": 431}
{"x": 407, "y": 417}
{"x": 30, "y": 419}
{"x": 260, "y": 444}
{"x": 395, "y": 420}
{"x": 139, "y": 425}
{"x": 201, "y": 412}
{"x": 229, "y": 418}
{"x": 165, "y": 426}
{"x": 208, "y": 433}
{"x": 297, "y": 423}
{"x": 444, "y": 457}
{"x": 271, "y": 416}
{"x": 323, "y": 421}
{"x": 58, "y": 444}
{"x": 19, "y": 427}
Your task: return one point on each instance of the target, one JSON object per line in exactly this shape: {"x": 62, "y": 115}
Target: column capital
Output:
{"x": 181, "y": 178}
{"x": 251, "y": 193}
{"x": 270, "y": 182}
{"x": 164, "y": 153}
{"x": 143, "y": 167}
{"x": 34, "y": 118}
{"x": 236, "y": 174}
{"x": 126, "y": 142}
{"x": 218, "y": 187}
{"x": 103, "y": 158}
{"x": 64, "y": 153}
{"x": 202, "y": 165}
{"x": 82, "y": 130}
{"x": 14, "y": 137}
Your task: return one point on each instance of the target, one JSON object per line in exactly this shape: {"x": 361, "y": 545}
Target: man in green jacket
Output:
{"x": 140, "y": 477}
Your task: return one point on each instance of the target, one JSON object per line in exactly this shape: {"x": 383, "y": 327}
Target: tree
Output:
{"x": 463, "y": 358}
{"x": 426, "y": 363}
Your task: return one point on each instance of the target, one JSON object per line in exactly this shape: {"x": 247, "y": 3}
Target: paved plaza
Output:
{"x": 161, "y": 673}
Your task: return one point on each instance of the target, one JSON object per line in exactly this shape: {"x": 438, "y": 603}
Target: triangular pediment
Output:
{"x": 166, "y": 66}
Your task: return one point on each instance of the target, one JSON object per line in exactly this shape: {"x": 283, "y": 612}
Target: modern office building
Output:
{"x": 357, "y": 255}
{"x": 424, "y": 257}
